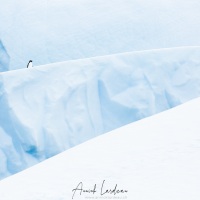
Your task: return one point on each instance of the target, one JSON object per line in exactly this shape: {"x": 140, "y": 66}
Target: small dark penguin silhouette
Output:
{"x": 30, "y": 64}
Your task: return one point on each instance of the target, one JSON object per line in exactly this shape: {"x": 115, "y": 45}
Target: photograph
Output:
{"x": 99, "y": 99}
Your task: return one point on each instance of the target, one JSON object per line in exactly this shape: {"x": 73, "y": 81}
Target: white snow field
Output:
{"x": 155, "y": 158}
{"x": 58, "y": 30}
{"x": 47, "y": 109}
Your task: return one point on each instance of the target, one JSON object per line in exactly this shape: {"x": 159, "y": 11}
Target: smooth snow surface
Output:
{"x": 155, "y": 158}
{"x": 48, "y": 109}
{"x": 58, "y": 30}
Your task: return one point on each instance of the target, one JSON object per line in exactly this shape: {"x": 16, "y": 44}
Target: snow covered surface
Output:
{"x": 154, "y": 158}
{"x": 111, "y": 76}
{"x": 48, "y": 109}
{"x": 60, "y": 30}
{"x": 4, "y": 58}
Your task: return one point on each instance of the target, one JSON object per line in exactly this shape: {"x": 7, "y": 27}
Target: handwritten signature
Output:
{"x": 114, "y": 191}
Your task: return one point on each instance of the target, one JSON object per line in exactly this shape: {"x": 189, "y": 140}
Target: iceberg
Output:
{"x": 154, "y": 158}
{"x": 47, "y": 109}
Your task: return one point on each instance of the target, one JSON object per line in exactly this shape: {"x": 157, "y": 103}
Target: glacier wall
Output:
{"x": 73, "y": 29}
{"x": 48, "y": 109}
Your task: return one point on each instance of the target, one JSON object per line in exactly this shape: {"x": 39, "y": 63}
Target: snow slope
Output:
{"x": 54, "y": 31}
{"x": 154, "y": 158}
{"x": 48, "y": 109}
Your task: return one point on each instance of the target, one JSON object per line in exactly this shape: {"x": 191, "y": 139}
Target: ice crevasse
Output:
{"x": 48, "y": 109}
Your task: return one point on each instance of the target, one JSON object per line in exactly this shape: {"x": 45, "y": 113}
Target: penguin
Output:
{"x": 30, "y": 64}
